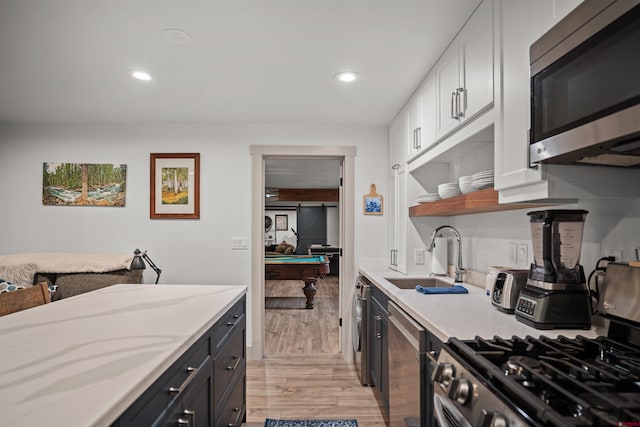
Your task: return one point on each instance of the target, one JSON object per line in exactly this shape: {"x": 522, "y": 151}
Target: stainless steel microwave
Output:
{"x": 585, "y": 87}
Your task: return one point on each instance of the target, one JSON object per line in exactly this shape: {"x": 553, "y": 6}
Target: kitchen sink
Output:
{"x": 410, "y": 283}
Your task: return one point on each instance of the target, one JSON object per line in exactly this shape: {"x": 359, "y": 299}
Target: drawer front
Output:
{"x": 380, "y": 297}
{"x": 229, "y": 363}
{"x": 170, "y": 387}
{"x": 233, "y": 319}
{"x": 234, "y": 411}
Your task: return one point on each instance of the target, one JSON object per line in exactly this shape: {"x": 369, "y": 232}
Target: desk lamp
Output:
{"x": 139, "y": 259}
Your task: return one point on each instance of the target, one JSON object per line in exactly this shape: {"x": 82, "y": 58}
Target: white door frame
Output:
{"x": 347, "y": 262}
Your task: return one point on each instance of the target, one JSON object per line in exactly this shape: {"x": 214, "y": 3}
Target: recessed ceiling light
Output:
{"x": 140, "y": 75}
{"x": 347, "y": 76}
{"x": 176, "y": 36}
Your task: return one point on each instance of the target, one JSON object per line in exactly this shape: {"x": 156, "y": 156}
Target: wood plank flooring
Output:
{"x": 291, "y": 329}
{"x": 318, "y": 387}
{"x": 303, "y": 375}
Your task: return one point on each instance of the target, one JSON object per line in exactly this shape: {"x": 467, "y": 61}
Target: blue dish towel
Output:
{"x": 455, "y": 289}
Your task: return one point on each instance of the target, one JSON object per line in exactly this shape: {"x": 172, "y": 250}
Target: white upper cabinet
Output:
{"x": 519, "y": 27}
{"x": 464, "y": 73}
{"x": 399, "y": 139}
{"x": 422, "y": 117}
{"x": 476, "y": 45}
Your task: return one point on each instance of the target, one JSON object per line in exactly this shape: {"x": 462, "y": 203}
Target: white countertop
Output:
{"x": 463, "y": 316}
{"x": 84, "y": 360}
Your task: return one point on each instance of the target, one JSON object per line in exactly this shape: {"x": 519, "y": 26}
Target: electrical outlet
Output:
{"x": 616, "y": 253}
{"x": 523, "y": 253}
{"x": 419, "y": 256}
{"x": 513, "y": 253}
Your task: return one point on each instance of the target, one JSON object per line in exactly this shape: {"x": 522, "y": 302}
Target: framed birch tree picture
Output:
{"x": 175, "y": 186}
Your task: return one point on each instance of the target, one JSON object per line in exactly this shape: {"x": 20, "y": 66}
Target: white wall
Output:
{"x": 610, "y": 224}
{"x": 188, "y": 251}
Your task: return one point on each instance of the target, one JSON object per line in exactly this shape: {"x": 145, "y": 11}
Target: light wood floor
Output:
{"x": 319, "y": 387}
{"x": 291, "y": 329}
{"x": 303, "y": 375}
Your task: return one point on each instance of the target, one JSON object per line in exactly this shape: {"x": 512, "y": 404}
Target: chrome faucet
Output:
{"x": 438, "y": 233}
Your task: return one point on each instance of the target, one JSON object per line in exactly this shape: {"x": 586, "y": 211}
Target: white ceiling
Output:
{"x": 259, "y": 61}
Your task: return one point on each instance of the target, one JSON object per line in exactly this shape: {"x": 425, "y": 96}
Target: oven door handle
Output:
{"x": 442, "y": 404}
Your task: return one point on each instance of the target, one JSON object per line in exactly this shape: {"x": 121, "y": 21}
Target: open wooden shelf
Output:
{"x": 481, "y": 201}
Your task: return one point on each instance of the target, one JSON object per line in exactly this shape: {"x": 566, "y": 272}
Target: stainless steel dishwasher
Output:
{"x": 406, "y": 368}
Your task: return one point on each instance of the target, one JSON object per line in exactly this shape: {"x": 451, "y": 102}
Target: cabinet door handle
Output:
{"x": 235, "y": 423}
{"x": 378, "y": 329}
{"x": 419, "y": 138}
{"x": 191, "y": 413}
{"x": 462, "y": 105}
{"x": 457, "y": 117}
{"x": 235, "y": 365}
{"x": 192, "y": 373}
{"x": 454, "y": 115}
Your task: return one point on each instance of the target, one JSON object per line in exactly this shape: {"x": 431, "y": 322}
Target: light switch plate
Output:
{"x": 240, "y": 243}
{"x": 419, "y": 256}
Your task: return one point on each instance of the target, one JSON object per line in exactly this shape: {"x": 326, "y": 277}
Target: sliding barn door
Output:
{"x": 312, "y": 227}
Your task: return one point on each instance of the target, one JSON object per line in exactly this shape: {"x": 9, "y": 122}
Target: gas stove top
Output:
{"x": 558, "y": 381}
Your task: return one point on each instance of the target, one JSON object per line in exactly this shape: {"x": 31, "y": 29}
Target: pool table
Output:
{"x": 297, "y": 267}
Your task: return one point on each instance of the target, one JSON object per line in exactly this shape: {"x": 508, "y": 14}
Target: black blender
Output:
{"x": 556, "y": 294}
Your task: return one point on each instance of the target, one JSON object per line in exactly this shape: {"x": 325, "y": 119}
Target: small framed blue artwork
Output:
{"x": 373, "y": 203}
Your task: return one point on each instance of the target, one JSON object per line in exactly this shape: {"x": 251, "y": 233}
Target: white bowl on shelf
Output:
{"x": 465, "y": 184}
{"x": 448, "y": 189}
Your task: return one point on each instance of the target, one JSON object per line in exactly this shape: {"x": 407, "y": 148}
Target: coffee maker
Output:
{"x": 556, "y": 294}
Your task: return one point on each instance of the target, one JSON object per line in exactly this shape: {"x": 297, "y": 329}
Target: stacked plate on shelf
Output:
{"x": 429, "y": 197}
{"x": 480, "y": 180}
{"x": 465, "y": 184}
{"x": 448, "y": 189}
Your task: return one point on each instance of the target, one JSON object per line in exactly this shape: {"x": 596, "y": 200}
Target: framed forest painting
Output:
{"x": 84, "y": 184}
{"x": 175, "y": 185}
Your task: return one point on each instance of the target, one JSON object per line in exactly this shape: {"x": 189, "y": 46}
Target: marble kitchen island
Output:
{"x": 85, "y": 360}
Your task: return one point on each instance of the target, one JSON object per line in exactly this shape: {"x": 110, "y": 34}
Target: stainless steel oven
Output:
{"x": 585, "y": 87}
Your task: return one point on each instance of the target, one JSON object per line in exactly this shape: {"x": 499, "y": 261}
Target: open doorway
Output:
{"x": 346, "y": 210}
{"x": 302, "y": 207}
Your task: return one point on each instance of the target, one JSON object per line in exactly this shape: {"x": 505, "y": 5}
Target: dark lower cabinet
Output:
{"x": 205, "y": 387}
{"x": 433, "y": 346}
{"x": 379, "y": 347}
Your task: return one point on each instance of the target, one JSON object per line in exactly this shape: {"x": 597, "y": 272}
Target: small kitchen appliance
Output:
{"x": 506, "y": 289}
{"x": 556, "y": 295}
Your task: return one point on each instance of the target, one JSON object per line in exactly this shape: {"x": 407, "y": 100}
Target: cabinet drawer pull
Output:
{"x": 192, "y": 373}
{"x": 230, "y": 323}
{"x": 235, "y": 365}
{"x": 236, "y": 316}
{"x": 235, "y": 423}
{"x": 183, "y": 422}
{"x": 462, "y": 105}
{"x": 454, "y": 115}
